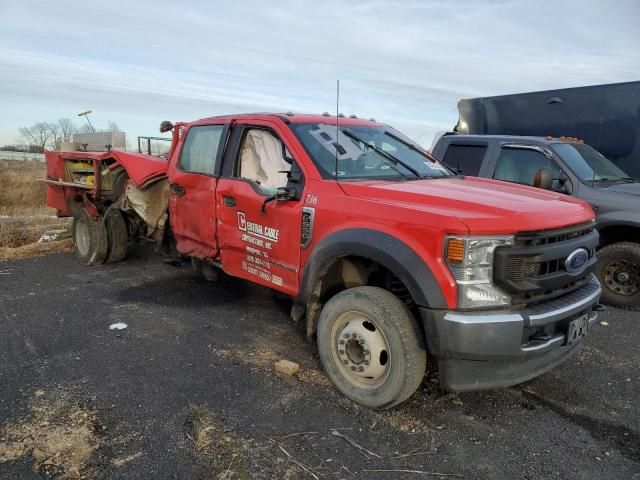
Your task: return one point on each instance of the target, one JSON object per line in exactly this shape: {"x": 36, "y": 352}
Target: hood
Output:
{"x": 628, "y": 188}
{"x": 485, "y": 206}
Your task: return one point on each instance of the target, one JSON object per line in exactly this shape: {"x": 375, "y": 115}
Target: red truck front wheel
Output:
{"x": 370, "y": 346}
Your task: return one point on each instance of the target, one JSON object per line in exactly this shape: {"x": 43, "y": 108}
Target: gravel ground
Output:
{"x": 188, "y": 391}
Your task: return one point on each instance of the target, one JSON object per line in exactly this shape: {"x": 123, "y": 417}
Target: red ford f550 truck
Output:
{"x": 390, "y": 257}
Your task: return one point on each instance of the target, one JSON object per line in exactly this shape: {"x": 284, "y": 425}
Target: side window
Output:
{"x": 264, "y": 159}
{"x": 200, "y": 149}
{"x": 465, "y": 158}
{"x": 520, "y": 165}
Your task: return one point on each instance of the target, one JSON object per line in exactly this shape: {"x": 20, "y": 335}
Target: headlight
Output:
{"x": 470, "y": 260}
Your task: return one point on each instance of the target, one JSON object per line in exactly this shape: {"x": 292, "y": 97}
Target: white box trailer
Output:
{"x": 100, "y": 141}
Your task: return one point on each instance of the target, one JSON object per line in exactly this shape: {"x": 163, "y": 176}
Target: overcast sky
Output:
{"x": 406, "y": 63}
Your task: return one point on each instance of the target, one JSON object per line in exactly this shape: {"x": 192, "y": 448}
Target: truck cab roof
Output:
{"x": 455, "y": 137}
{"x": 291, "y": 117}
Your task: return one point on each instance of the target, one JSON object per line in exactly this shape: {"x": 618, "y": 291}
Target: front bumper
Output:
{"x": 488, "y": 349}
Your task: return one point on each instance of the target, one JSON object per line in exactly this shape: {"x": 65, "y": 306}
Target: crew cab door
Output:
{"x": 260, "y": 241}
{"x": 519, "y": 163}
{"x": 193, "y": 177}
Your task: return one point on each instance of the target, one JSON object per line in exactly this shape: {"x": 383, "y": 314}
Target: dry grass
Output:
{"x": 19, "y": 186}
{"x": 24, "y": 216}
{"x": 58, "y": 436}
{"x": 215, "y": 445}
{"x": 35, "y": 249}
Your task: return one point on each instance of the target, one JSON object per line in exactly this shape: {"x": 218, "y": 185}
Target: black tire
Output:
{"x": 90, "y": 242}
{"x": 118, "y": 236}
{"x": 618, "y": 270}
{"x": 348, "y": 359}
{"x": 208, "y": 271}
{"x": 120, "y": 179}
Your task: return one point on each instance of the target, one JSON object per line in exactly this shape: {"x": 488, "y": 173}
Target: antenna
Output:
{"x": 337, "y": 125}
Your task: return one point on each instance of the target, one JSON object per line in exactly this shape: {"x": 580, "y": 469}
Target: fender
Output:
{"x": 617, "y": 218}
{"x": 141, "y": 168}
{"x": 388, "y": 251}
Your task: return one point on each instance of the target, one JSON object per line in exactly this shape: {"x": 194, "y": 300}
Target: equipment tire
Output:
{"x": 118, "y": 235}
{"x": 90, "y": 240}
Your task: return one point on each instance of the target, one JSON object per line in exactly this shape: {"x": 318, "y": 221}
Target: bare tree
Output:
{"x": 54, "y": 132}
{"x": 113, "y": 127}
{"x": 67, "y": 129}
{"x": 38, "y": 135}
{"x": 160, "y": 148}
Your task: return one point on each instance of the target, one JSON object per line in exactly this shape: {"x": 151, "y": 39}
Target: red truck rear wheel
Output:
{"x": 371, "y": 346}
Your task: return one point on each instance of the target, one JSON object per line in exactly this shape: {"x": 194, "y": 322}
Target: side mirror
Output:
{"x": 282, "y": 195}
{"x": 543, "y": 179}
{"x": 166, "y": 126}
{"x": 565, "y": 185}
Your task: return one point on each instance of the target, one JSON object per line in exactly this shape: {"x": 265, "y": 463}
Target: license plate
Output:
{"x": 577, "y": 329}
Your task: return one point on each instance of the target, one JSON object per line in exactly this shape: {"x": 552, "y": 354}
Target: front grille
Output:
{"x": 533, "y": 269}
{"x": 545, "y": 237}
{"x": 516, "y": 268}
{"x": 519, "y": 268}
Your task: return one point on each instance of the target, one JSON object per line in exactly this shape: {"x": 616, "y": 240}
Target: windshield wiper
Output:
{"x": 386, "y": 155}
{"x": 429, "y": 157}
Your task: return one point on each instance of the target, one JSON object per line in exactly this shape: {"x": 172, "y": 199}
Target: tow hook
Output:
{"x": 598, "y": 307}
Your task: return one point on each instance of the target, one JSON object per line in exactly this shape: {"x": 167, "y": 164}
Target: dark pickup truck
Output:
{"x": 568, "y": 166}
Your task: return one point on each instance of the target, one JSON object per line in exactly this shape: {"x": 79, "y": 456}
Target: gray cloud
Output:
{"x": 406, "y": 63}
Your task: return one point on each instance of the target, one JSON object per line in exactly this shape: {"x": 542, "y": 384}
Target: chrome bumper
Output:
{"x": 479, "y": 350}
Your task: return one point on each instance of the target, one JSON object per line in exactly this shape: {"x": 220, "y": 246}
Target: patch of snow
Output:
{"x": 47, "y": 237}
{"x": 118, "y": 326}
{"x": 50, "y": 236}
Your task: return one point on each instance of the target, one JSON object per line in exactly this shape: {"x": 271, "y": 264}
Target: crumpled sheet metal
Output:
{"x": 150, "y": 202}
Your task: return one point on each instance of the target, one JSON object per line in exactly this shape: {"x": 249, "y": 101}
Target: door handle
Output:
{"x": 177, "y": 189}
{"x": 229, "y": 201}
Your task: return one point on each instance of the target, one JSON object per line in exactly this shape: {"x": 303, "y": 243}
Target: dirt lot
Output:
{"x": 27, "y": 226}
{"x": 188, "y": 391}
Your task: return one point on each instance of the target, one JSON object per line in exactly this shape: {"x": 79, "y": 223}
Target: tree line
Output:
{"x": 41, "y": 135}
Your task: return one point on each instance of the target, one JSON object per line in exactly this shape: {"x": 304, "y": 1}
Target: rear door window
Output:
{"x": 466, "y": 159}
{"x": 200, "y": 151}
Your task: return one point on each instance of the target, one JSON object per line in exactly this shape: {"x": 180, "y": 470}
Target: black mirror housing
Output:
{"x": 166, "y": 126}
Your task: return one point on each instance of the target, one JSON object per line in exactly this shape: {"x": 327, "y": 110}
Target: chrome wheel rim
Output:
{"x": 360, "y": 350}
{"x": 82, "y": 237}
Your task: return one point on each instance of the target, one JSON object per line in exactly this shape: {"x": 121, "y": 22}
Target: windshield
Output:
{"x": 589, "y": 164}
{"x": 365, "y": 152}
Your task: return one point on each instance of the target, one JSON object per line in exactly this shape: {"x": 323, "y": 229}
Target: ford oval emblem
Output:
{"x": 576, "y": 261}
